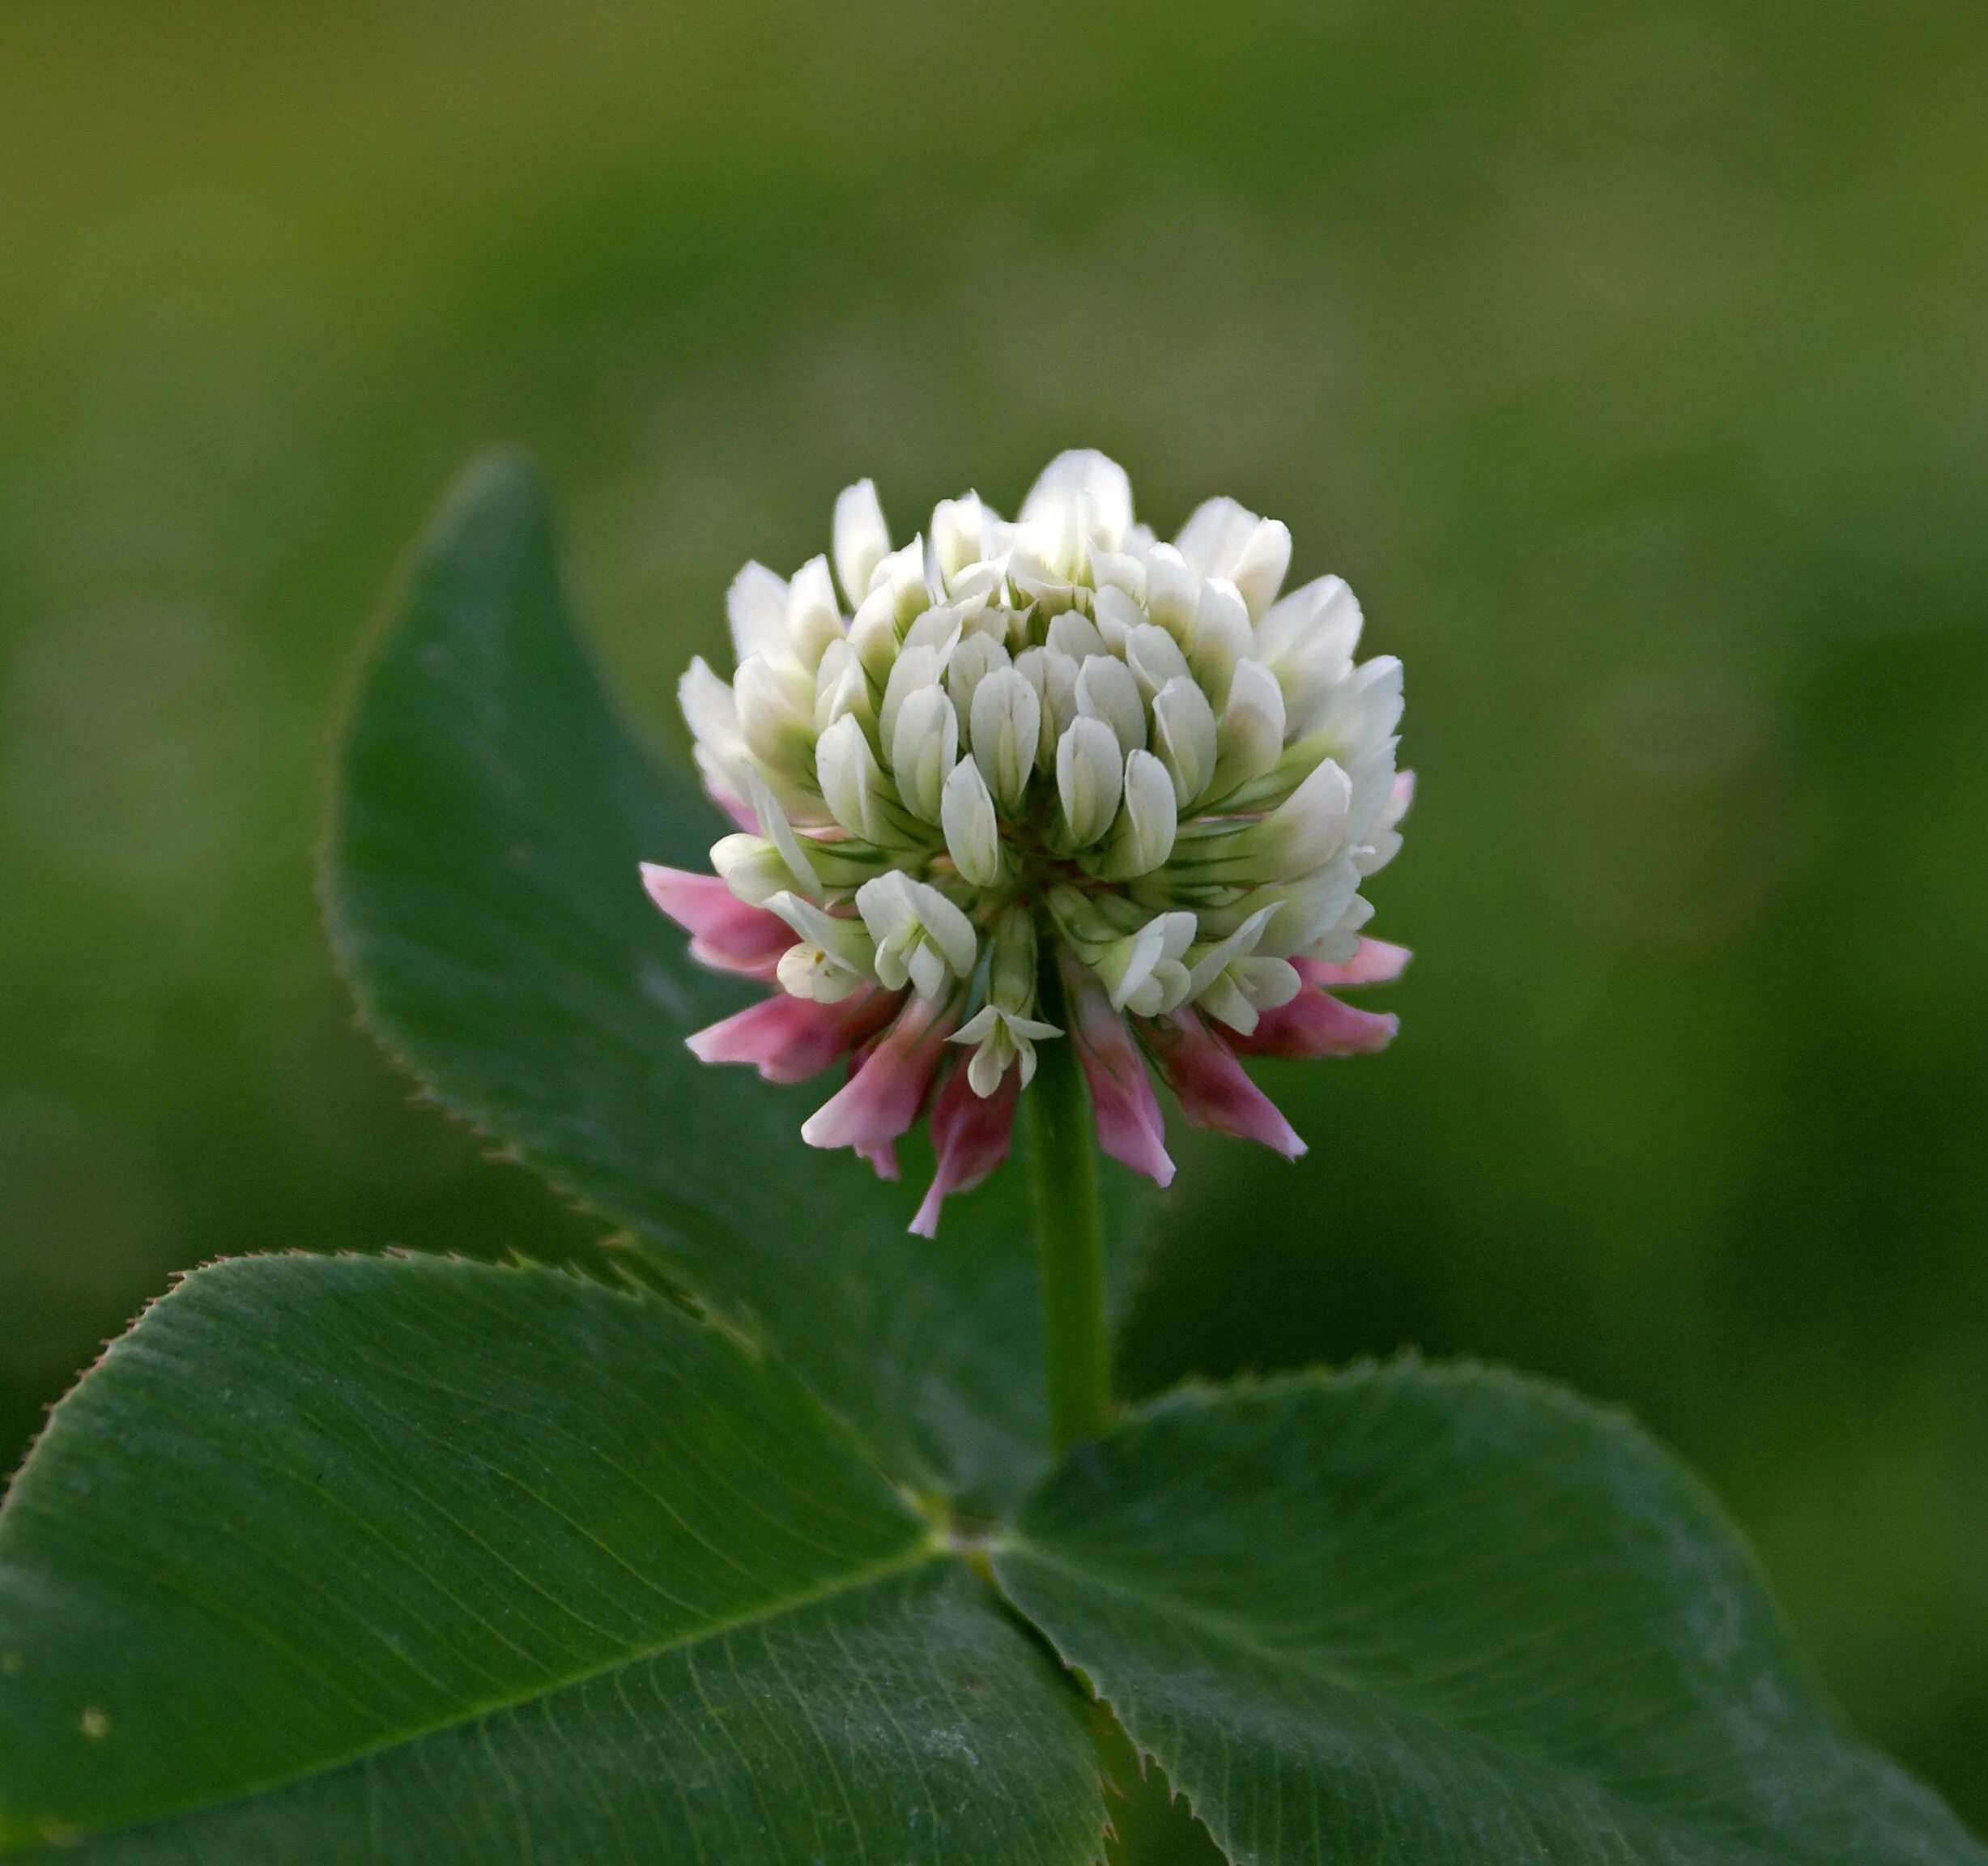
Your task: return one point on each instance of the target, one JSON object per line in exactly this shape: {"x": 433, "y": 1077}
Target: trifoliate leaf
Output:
{"x": 426, "y": 1561}
{"x": 1413, "y": 1618}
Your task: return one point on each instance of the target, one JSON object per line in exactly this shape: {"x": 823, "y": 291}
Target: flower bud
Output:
{"x": 1106, "y": 691}
{"x": 1252, "y": 732}
{"x": 1173, "y": 592}
{"x": 1007, "y": 731}
{"x": 976, "y": 656}
{"x": 1054, "y": 678}
{"x": 1116, "y": 614}
{"x": 1341, "y": 941}
{"x": 752, "y": 868}
{"x": 1383, "y": 840}
{"x": 937, "y": 627}
{"x": 972, "y": 833}
{"x": 756, "y": 607}
{"x": 841, "y": 688}
{"x": 711, "y": 710}
{"x": 1358, "y": 713}
{"x": 1223, "y": 538}
{"x": 922, "y": 938}
{"x": 873, "y": 634}
{"x": 1304, "y": 831}
{"x": 852, "y": 782}
{"x": 1080, "y": 493}
{"x": 1307, "y": 640}
{"x": 1221, "y": 636}
{"x": 1090, "y": 779}
{"x": 776, "y": 704}
{"x": 959, "y": 529}
{"x": 916, "y": 667}
{"x": 902, "y": 573}
{"x": 1011, "y": 961}
{"x": 862, "y": 539}
{"x": 1142, "y": 838}
{"x": 1118, "y": 571}
{"x": 775, "y": 827}
{"x": 1075, "y": 635}
{"x": 924, "y": 746}
{"x": 1184, "y": 736}
{"x": 1153, "y": 658}
{"x": 813, "y": 620}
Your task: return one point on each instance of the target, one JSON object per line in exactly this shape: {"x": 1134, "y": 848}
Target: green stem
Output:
{"x": 1069, "y": 1229}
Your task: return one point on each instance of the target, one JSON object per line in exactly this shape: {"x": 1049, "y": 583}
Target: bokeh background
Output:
{"x": 1630, "y": 360}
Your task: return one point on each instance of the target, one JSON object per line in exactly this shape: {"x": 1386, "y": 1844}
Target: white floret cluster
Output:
{"x": 1058, "y": 725}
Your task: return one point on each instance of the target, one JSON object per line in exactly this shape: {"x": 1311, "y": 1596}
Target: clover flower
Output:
{"x": 1055, "y": 741}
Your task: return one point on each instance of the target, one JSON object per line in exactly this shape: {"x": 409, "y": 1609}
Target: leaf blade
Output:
{"x": 1446, "y": 1617}
{"x": 321, "y": 1532}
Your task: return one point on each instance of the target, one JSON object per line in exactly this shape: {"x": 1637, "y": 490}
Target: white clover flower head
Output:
{"x": 1049, "y": 756}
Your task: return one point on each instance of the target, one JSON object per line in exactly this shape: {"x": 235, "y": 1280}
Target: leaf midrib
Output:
{"x": 926, "y": 1550}
{"x": 1222, "y": 1629}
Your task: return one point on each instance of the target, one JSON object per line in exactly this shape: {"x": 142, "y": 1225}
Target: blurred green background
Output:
{"x": 1630, "y": 359}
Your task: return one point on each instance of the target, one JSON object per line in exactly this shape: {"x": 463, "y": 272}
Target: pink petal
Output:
{"x": 883, "y": 1159}
{"x": 1376, "y": 963}
{"x": 971, "y": 1134}
{"x": 1122, "y": 1103}
{"x": 1213, "y": 1090}
{"x": 882, "y": 1098}
{"x": 1315, "y": 1024}
{"x": 1401, "y": 794}
{"x": 725, "y": 933}
{"x": 789, "y": 1039}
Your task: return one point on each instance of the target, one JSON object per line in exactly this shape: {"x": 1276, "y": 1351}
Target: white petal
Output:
{"x": 1090, "y": 778}
{"x": 1054, "y": 678}
{"x": 1154, "y": 658}
{"x": 813, "y": 619}
{"x": 1184, "y": 735}
{"x": 1006, "y": 731}
{"x": 777, "y": 830}
{"x": 925, "y": 742}
{"x": 862, "y": 539}
{"x": 948, "y": 927}
{"x": 851, "y": 780}
{"x": 1106, "y": 691}
{"x": 1252, "y": 732}
{"x": 756, "y": 607}
{"x": 1088, "y": 486}
{"x": 915, "y": 668}
{"x": 1147, "y": 822}
{"x": 976, "y": 657}
{"x": 973, "y": 835}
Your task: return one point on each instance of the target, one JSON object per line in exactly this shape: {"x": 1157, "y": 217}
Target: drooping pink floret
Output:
{"x": 726, "y": 934}
{"x": 884, "y": 1098}
{"x": 1129, "y": 1128}
{"x": 789, "y": 1039}
{"x": 1376, "y": 963}
{"x": 972, "y": 1135}
{"x": 1212, "y": 1089}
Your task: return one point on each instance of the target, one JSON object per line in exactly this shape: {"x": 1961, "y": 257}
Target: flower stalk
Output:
{"x": 1070, "y": 1243}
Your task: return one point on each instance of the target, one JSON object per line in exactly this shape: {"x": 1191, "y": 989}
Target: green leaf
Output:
{"x": 480, "y": 878}
{"x": 1418, "y": 1618}
{"x": 414, "y": 1559}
